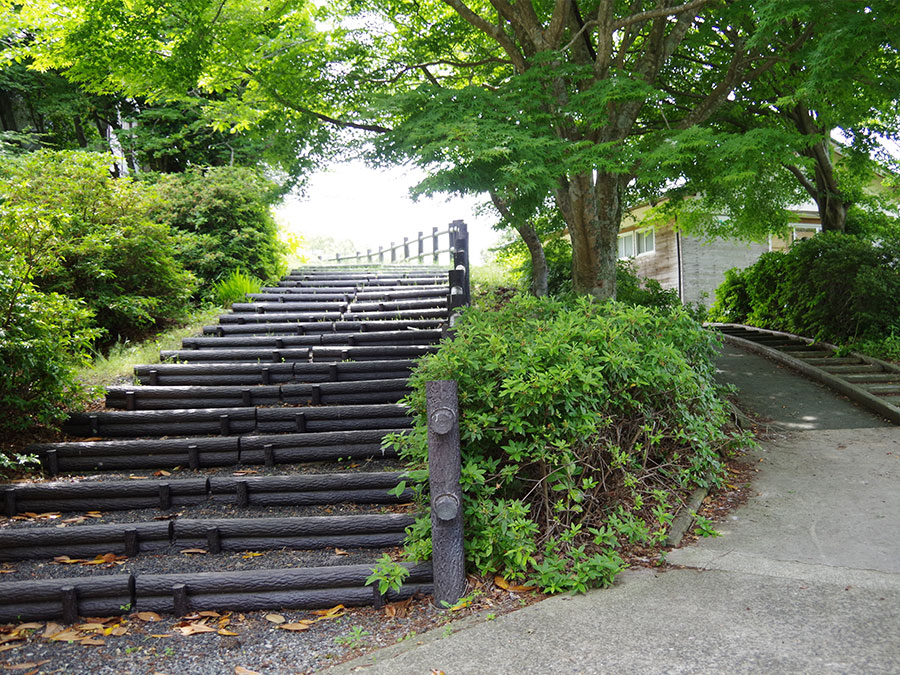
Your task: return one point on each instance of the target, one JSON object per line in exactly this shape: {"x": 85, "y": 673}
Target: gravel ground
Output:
{"x": 259, "y": 645}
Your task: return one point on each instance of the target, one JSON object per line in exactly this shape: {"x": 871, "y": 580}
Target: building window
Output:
{"x": 636, "y": 242}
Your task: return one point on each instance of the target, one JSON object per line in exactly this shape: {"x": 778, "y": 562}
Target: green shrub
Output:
{"x": 43, "y": 337}
{"x": 223, "y": 219}
{"x": 836, "y": 287}
{"x": 581, "y": 424}
{"x": 235, "y": 288}
{"x": 83, "y": 234}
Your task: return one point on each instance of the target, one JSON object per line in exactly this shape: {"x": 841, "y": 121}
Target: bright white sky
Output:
{"x": 372, "y": 208}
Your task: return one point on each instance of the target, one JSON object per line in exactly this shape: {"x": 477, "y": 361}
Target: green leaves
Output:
{"x": 580, "y": 424}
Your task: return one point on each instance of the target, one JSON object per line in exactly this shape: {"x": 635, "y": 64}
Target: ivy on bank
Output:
{"x": 582, "y": 426}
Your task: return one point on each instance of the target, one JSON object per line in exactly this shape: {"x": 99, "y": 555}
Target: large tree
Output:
{"x": 582, "y": 100}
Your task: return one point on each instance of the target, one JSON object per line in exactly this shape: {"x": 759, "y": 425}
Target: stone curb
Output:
{"x": 682, "y": 521}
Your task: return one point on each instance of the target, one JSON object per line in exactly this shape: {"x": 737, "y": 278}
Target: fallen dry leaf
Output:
{"x": 66, "y": 560}
{"x": 92, "y": 642}
{"x": 245, "y": 472}
{"x": 331, "y": 613}
{"x": 462, "y": 604}
{"x": 106, "y": 559}
{"x": 340, "y": 551}
{"x": 27, "y": 665}
{"x": 512, "y": 588}
{"x": 7, "y": 571}
{"x": 149, "y": 616}
{"x": 240, "y": 670}
{"x": 190, "y": 551}
{"x": 297, "y": 625}
{"x": 119, "y": 631}
{"x": 52, "y": 629}
{"x": 209, "y": 613}
{"x": 397, "y": 609}
{"x": 133, "y": 477}
{"x": 160, "y": 635}
{"x": 195, "y": 628}
{"x": 94, "y": 514}
{"x": 275, "y": 618}
{"x": 162, "y": 472}
{"x": 6, "y": 648}
{"x": 89, "y": 626}
{"x": 27, "y": 626}
{"x": 223, "y": 631}
{"x": 251, "y": 554}
{"x": 65, "y": 636}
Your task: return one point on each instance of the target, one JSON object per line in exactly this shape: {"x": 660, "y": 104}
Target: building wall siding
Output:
{"x": 705, "y": 264}
{"x": 662, "y": 263}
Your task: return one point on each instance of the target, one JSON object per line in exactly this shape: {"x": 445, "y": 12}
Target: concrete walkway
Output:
{"x": 804, "y": 579}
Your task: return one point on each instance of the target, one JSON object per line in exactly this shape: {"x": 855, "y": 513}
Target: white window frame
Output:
{"x": 637, "y": 239}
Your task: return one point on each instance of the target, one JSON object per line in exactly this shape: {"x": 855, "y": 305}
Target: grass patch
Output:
{"x": 123, "y": 356}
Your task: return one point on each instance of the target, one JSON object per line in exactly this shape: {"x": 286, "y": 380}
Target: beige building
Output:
{"x": 694, "y": 266}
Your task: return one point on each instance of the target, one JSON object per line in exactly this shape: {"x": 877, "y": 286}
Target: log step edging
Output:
{"x": 179, "y": 594}
{"x": 168, "y": 493}
{"x": 355, "y": 392}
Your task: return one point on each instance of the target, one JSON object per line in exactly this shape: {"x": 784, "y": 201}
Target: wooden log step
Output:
{"x": 236, "y": 421}
{"x": 397, "y": 314}
{"x": 291, "y": 588}
{"x": 214, "y": 373}
{"x": 438, "y": 291}
{"x": 292, "y": 306}
{"x": 363, "y": 283}
{"x": 138, "y": 454}
{"x": 172, "y": 492}
{"x": 399, "y": 337}
{"x": 279, "y": 317}
{"x": 313, "y": 327}
{"x": 326, "y": 393}
{"x": 179, "y": 397}
{"x": 376, "y": 305}
{"x": 107, "y": 595}
{"x": 299, "y": 533}
{"x": 81, "y": 541}
{"x": 301, "y": 490}
{"x": 70, "y": 497}
{"x": 314, "y": 447}
{"x": 231, "y": 373}
{"x": 314, "y": 353}
{"x": 275, "y": 294}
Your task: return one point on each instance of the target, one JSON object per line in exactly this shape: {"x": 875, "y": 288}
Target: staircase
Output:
{"x": 871, "y": 382}
{"x": 245, "y": 471}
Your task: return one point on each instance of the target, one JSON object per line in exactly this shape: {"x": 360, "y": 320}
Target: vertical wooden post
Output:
{"x": 421, "y": 247}
{"x": 393, "y": 253}
{"x": 434, "y": 245}
{"x": 405, "y": 248}
{"x": 381, "y": 254}
{"x": 444, "y": 464}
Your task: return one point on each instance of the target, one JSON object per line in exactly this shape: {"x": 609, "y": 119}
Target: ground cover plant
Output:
{"x": 582, "y": 426}
{"x": 841, "y": 288}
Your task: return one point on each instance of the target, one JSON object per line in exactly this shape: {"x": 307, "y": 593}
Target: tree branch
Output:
{"x": 803, "y": 180}
{"x": 658, "y": 13}
{"x": 491, "y": 31}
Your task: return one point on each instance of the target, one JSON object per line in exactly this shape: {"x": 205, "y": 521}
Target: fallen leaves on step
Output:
{"x": 305, "y": 624}
{"x": 340, "y": 551}
{"x": 246, "y": 555}
{"x": 7, "y": 570}
{"x": 29, "y": 515}
{"x": 240, "y": 670}
{"x": 107, "y": 560}
{"x": 195, "y": 628}
{"x": 245, "y": 472}
{"x": 275, "y": 618}
{"x": 161, "y": 472}
{"x": 191, "y": 551}
{"x": 66, "y": 560}
{"x": 133, "y": 477}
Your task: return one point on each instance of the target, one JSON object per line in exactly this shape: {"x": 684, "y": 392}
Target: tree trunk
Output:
{"x": 539, "y": 270}
{"x": 826, "y": 192}
{"x": 592, "y": 210}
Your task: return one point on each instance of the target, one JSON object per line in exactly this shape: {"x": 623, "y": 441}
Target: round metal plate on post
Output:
{"x": 442, "y": 420}
{"x": 446, "y": 506}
